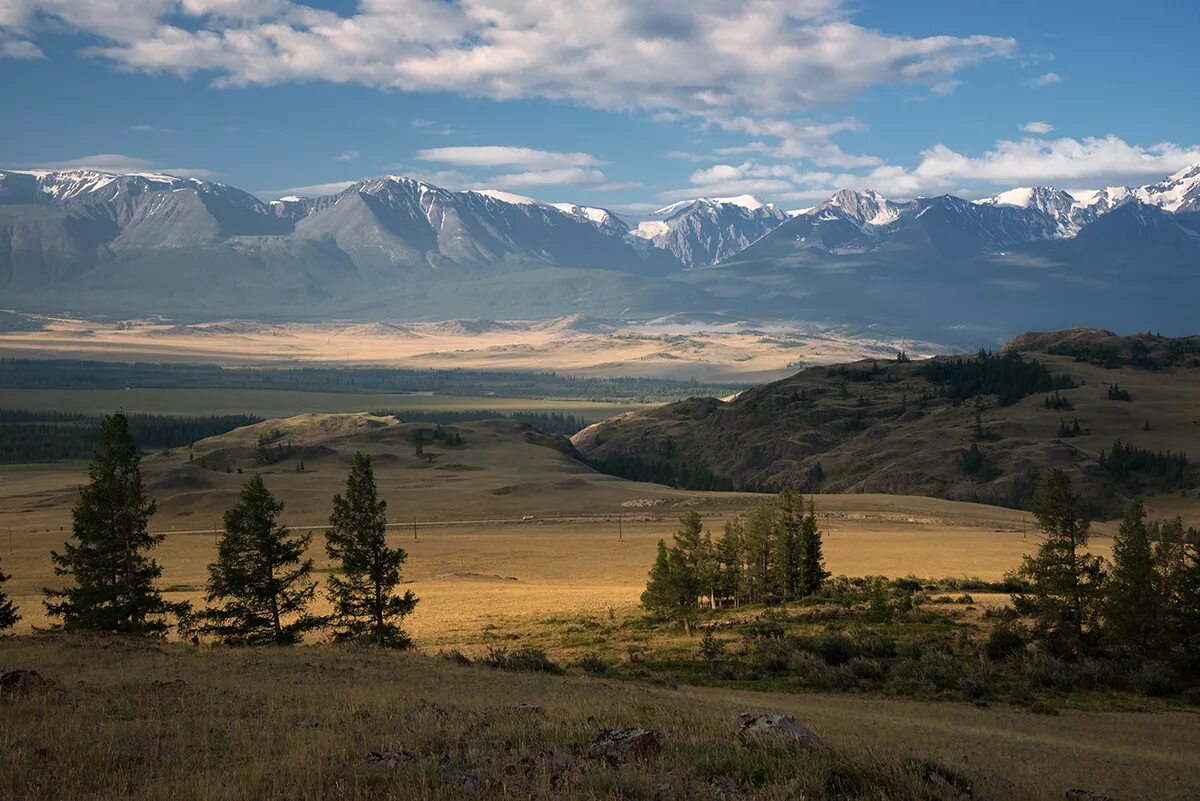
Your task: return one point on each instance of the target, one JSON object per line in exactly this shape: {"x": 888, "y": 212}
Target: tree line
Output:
{"x": 1009, "y": 376}
{"x": 29, "y": 436}
{"x": 260, "y": 587}
{"x": 1144, "y": 605}
{"x": 772, "y": 554}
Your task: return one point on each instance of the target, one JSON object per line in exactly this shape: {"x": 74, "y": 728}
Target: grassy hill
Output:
{"x": 970, "y": 428}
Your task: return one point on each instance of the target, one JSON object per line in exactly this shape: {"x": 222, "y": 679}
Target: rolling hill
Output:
{"x": 979, "y": 428}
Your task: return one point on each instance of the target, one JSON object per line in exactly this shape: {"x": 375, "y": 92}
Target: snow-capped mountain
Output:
{"x": 1178, "y": 193}
{"x": 869, "y": 207}
{"x": 1067, "y": 213}
{"x": 706, "y": 230}
{"x": 91, "y": 241}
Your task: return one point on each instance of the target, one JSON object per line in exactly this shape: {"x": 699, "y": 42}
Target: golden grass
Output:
{"x": 571, "y": 557}
{"x": 300, "y": 723}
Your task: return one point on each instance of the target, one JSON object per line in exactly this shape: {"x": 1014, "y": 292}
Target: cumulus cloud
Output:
{"x": 1037, "y": 127}
{"x": 120, "y": 164}
{"x": 349, "y": 155}
{"x": 1046, "y": 79}
{"x": 1093, "y": 161}
{"x": 20, "y": 50}
{"x": 693, "y": 57}
{"x": 1062, "y": 162}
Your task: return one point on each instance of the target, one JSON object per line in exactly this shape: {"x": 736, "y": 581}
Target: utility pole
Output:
{"x": 414, "y": 528}
{"x": 620, "y": 527}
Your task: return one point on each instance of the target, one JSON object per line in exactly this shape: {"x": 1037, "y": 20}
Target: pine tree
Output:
{"x": 1064, "y": 580}
{"x": 260, "y": 587}
{"x": 670, "y": 590}
{"x": 8, "y": 611}
{"x": 812, "y": 558}
{"x": 366, "y": 606}
{"x": 786, "y": 567}
{"x": 113, "y": 577}
{"x": 730, "y": 567}
{"x": 1133, "y": 608}
{"x": 758, "y": 542}
{"x": 1178, "y": 558}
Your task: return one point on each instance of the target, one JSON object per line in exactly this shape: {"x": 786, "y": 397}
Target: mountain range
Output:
{"x": 395, "y": 247}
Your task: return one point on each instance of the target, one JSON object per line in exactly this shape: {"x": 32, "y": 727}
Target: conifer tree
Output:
{"x": 113, "y": 579}
{"x": 1133, "y": 603}
{"x": 786, "y": 565}
{"x": 729, "y": 560}
{"x": 689, "y": 545}
{"x": 366, "y": 606}
{"x": 259, "y": 588}
{"x": 1178, "y": 557}
{"x": 671, "y": 590}
{"x": 758, "y": 542}
{"x": 8, "y": 610}
{"x": 812, "y": 557}
{"x": 1064, "y": 580}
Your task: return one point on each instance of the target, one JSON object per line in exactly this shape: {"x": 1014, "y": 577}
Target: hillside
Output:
{"x": 959, "y": 428}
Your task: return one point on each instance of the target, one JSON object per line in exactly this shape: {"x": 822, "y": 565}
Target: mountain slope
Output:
{"x": 707, "y": 230}
{"x": 887, "y": 427}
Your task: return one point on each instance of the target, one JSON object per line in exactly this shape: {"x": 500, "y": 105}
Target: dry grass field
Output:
{"x": 737, "y": 352}
{"x": 135, "y": 721}
{"x": 555, "y": 539}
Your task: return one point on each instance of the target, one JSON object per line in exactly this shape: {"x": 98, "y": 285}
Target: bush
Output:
{"x": 525, "y": 659}
{"x": 593, "y": 664}
{"x": 1004, "y": 641}
{"x": 1154, "y": 679}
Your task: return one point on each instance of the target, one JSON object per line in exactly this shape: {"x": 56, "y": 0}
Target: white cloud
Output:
{"x": 563, "y": 176}
{"x": 943, "y": 88}
{"x": 349, "y": 155}
{"x": 1046, "y": 79}
{"x": 20, "y": 50}
{"x": 311, "y": 190}
{"x": 1093, "y": 161}
{"x": 505, "y": 156}
{"x": 429, "y": 126}
{"x": 117, "y": 163}
{"x": 1037, "y": 127}
{"x": 703, "y": 58}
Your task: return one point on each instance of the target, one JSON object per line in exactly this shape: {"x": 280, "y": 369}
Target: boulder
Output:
{"x": 779, "y": 729}
{"x": 623, "y": 745}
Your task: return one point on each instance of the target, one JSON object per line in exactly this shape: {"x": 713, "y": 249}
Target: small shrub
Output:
{"x": 593, "y": 665}
{"x": 1004, "y": 641}
{"x": 524, "y": 659}
{"x": 1153, "y": 679}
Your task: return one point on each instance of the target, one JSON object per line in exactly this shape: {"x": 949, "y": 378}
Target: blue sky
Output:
{"x": 604, "y": 102}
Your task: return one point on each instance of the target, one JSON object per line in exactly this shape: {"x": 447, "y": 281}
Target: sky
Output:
{"x": 623, "y": 104}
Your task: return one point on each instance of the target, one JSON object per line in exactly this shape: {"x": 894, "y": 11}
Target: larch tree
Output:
{"x": 1133, "y": 598}
{"x": 812, "y": 557}
{"x": 1178, "y": 558}
{"x": 366, "y": 606}
{"x": 113, "y": 579}
{"x": 8, "y": 610}
{"x": 671, "y": 588}
{"x": 1064, "y": 580}
{"x": 260, "y": 586}
{"x": 786, "y": 566}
